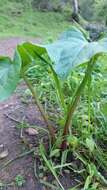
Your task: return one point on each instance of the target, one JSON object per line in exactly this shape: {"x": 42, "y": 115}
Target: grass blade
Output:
{"x": 49, "y": 165}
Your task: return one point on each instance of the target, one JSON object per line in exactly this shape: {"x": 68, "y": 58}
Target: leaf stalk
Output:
{"x": 76, "y": 99}
{"x": 44, "y": 115}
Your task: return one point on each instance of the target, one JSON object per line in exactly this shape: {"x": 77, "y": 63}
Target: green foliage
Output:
{"x": 94, "y": 10}
{"x": 66, "y": 55}
{"x": 29, "y": 22}
{"x": 101, "y": 10}
{"x": 50, "y": 5}
{"x": 87, "y": 9}
{"x": 9, "y": 75}
{"x": 19, "y": 180}
{"x": 85, "y": 140}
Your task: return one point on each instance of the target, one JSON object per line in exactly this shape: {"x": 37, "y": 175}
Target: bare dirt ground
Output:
{"x": 7, "y": 46}
{"x": 10, "y": 135}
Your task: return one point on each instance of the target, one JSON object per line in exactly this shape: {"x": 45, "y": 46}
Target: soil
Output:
{"x": 10, "y": 135}
{"x": 8, "y": 45}
{"x": 12, "y": 111}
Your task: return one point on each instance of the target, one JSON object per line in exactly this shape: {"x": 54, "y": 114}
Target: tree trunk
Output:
{"x": 75, "y": 15}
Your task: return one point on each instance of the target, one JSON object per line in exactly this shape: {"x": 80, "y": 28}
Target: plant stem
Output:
{"x": 45, "y": 117}
{"x": 89, "y": 104}
{"x": 75, "y": 100}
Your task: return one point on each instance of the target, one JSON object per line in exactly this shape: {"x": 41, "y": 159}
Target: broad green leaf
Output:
{"x": 34, "y": 50}
{"x": 9, "y": 75}
{"x": 30, "y": 54}
{"x": 85, "y": 33}
{"x": 73, "y": 32}
{"x": 71, "y": 50}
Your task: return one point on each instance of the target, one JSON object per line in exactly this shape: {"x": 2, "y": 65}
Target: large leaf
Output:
{"x": 71, "y": 50}
{"x": 9, "y": 75}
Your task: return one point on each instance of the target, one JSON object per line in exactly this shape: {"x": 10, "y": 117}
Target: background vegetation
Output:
{"x": 46, "y": 18}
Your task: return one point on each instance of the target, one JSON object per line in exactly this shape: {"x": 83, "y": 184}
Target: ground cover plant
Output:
{"x": 72, "y": 144}
{"x": 19, "y": 19}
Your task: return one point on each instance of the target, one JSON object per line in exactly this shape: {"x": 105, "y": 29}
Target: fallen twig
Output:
{"x": 13, "y": 119}
{"x": 16, "y": 158}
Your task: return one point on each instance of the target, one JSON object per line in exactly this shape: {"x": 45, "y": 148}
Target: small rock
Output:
{"x": 1, "y": 145}
{"x": 66, "y": 171}
{"x": 4, "y": 154}
{"x": 45, "y": 178}
{"x": 5, "y": 106}
{"x": 31, "y": 131}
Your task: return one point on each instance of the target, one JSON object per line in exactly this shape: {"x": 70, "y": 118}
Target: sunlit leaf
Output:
{"x": 9, "y": 75}
{"x": 71, "y": 50}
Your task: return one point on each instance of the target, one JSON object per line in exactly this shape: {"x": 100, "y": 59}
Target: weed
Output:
{"x": 19, "y": 180}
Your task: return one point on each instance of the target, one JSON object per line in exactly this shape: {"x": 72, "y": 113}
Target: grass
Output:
{"x": 18, "y": 20}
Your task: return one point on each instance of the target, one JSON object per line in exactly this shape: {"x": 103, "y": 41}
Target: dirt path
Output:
{"x": 10, "y": 135}
{"x": 7, "y": 46}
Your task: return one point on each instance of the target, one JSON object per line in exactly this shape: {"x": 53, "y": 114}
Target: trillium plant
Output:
{"x": 71, "y": 50}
